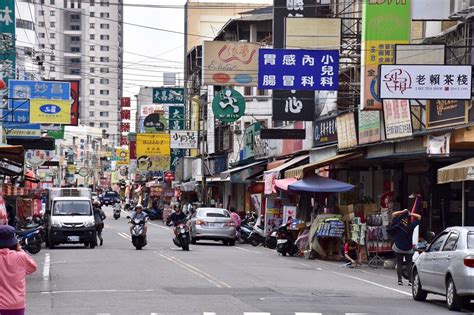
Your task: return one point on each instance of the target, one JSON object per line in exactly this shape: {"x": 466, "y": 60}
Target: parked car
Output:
{"x": 447, "y": 268}
{"x": 212, "y": 224}
{"x": 110, "y": 198}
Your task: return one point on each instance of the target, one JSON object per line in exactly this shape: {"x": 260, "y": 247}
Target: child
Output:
{"x": 351, "y": 253}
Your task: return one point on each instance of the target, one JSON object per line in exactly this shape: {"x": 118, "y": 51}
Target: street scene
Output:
{"x": 253, "y": 157}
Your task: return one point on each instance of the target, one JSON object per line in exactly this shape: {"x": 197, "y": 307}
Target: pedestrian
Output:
{"x": 401, "y": 230}
{"x": 14, "y": 265}
{"x": 99, "y": 217}
{"x": 352, "y": 253}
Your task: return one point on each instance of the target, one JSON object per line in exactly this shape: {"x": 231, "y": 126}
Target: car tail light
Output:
{"x": 200, "y": 222}
{"x": 469, "y": 261}
{"x": 230, "y": 223}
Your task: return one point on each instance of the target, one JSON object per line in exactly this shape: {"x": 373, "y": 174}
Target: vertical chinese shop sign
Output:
{"x": 384, "y": 24}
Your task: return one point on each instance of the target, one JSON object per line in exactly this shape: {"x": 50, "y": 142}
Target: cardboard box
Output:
{"x": 370, "y": 208}
{"x": 346, "y": 209}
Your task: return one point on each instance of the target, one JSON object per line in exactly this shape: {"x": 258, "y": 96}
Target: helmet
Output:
{"x": 96, "y": 203}
{"x": 139, "y": 206}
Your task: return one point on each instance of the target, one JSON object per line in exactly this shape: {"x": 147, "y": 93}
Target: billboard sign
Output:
{"x": 439, "y": 82}
{"x": 298, "y": 69}
{"x": 443, "y": 113}
{"x": 153, "y": 152}
{"x": 369, "y": 126}
{"x": 384, "y": 24}
{"x": 155, "y": 123}
{"x": 20, "y": 92}
{"x": 346, "y": 131}
{"x": 184, "y": 139}
{"x": 228, "y": 105}
{"x": 298, "y": 134}
{"x": 7, "y": 40}
{"x": 50, "y": 111}
{"x": 397, "y": 119}
{"x": 230, "y": 63}
{"x": 325, "y": 131}
{"x": 122, "y": 157}
{"x": 168, "y": 96}
{"x": 313, "y": 33}
{"x": 293, "y": 105}
{"x": 28, "y": 131}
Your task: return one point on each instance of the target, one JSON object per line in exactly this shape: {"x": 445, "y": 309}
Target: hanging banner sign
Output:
{"x": 346, "y": 131}
{"x": 443, "y": 113}
{"x": 293, "y": 105}
{"x": 153, "y": 144}
{"x": 7, "y": 41}
{"x": 168, "y": 96}
{"x": 397, "y": 119}
{"x": 228, "y": 105}
{"x": 298, "y": 69}
{"x": 29, "y": 131}
{"x": 185, "y": 139}
{"x": 439, "y": 82}
{"x": 325, "y": 131}
{"x": 369, "y": 126}
{"x": 176, "y": 117}
{"x": 438, "y": 145}
{"x": 230, "y": 63}
{"x": 50, "y": 111}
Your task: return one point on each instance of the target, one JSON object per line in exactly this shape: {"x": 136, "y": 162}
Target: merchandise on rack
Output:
{"x": 357, "y": 231}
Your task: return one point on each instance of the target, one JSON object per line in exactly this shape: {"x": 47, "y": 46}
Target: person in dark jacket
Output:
{"x": 401, "y": 230}
{"x": 99, "y": 217}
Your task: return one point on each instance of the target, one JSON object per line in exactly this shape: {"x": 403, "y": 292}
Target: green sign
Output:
{"x": 168, "y": 96}
{"x": 228, "y": 105}
{"x": 176, "y": 120}
{"x": 56, "y": 134}
{"x": 7, "y": 40}
{"x": 386, "y": 20}
{"x": 248, "y": 150}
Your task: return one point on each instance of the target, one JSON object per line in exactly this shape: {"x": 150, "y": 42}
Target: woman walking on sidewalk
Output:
{"x": 401, "y": 231}
{"x": 15, "y": 264}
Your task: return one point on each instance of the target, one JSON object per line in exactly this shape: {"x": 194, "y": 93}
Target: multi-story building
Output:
{"x": 83, "y": 40}
{"x": 26, "y": 49}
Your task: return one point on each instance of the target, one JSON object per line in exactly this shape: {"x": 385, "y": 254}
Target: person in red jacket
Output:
{"x": 15, "y": 264}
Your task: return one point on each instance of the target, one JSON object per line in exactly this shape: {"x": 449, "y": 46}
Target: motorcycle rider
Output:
{"x": 176, "y": 217}
{"x": 140, "y": 215}
{"x": 99, "y": 217}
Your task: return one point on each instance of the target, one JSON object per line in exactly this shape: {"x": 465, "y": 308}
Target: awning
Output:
{"x": 458, "y": 172}
{"x": 240, "y": 168}
{"x": 11, "y": 160}
{"x": 288, "y": 164}
{"x": 318, "y": 183}
{"x": 299, "y": 172}
{"x": 9, "y": 190}
{"x": 283, "y": 183}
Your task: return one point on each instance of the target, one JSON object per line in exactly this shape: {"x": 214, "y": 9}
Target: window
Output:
{"x": 75, "y": 17}
{"x": 92, "y": 92}
{"x": 104, "y": 48}
{"x": 91, "y": 103}
{"x": 92, "y": 70}
{"x": 92, "y": 36}
{"x": 75, "y": 49}
{"x": 52, "y": 58}
{"x": 41, "y": 12}
{"x": 104, "y": 114}
{"x": 248, "y": 90}
{"x": 451, "y": 243}
{"x": 52, "y": 2}
{"x": 75, "y": 60}
{"x": 52, "y": 35}
{"x": 92, "y": 3}
{"x": 104, "y": 92}
{"x": 75, "y": 71}
{"x": 104, "y": 3}
{"x": 53, "y": 46}
{"x": 52, "y": 68}
{"x": 28, "y": 25}
{"x": 105, "y": 15}
{"x": 104, "y": 70}
{"x": 52, "y": 13}
{"x": 104, "y": 26}
{"x": 52, "y": 24}
{"x": 41, "y": 24}
{"x": 92, "y": 59}
{"x": 104, "y": 81}
{"x": 104, "y": 59}
{"x": 92, "y": 25}
{"x": 41, "y": 35}
{"x": 75, "y": 39}
{"x": 91, "y": 114}
{"x": 92, "y": 47}
{"x": 437, "y": 243}
{"x": 104, "y": 103}
{"x": 104, "y": 125}
{"x": 104, "y": 37}
{"x": 470, "y": 240}
{"x": 92, "y": 14}
{"x": 42, "y": 46}
{"x": 92, "y": 81}
{"x": 262, "y": 92}
{"x": 91, "y": 124}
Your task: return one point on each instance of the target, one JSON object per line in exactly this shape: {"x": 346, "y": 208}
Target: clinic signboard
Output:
{"x": 228, "y": 105}
{"x": 298, "y": 69}
{"x": 397, "y": 119}
{"x": 293, "y": 105}
{"x": 325, "y": 131}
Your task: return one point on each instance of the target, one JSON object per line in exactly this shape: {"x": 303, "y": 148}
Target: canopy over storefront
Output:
{"x": 284, "y": 183}
{"x": 11, "y": 160}
{"x": 318, "y": 183}
{"x": 307, "y": 169}
{"x": 457, "y": 172}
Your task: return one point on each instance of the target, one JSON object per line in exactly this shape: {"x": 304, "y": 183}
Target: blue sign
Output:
{"x": 29, "y": 131}
{"x": 20, "y": 92}
{"x": 298, "y": 69}
{"x": 50, "y": 109}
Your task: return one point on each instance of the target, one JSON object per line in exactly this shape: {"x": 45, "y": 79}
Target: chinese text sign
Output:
{"x": 7, "y": 40}
{"x": 397, "y": 119}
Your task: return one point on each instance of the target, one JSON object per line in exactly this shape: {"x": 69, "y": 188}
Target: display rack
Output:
{"x": 377, "y": 239}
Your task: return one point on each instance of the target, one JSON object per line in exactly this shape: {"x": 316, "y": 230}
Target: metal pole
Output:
{"x": 463, "y": 204}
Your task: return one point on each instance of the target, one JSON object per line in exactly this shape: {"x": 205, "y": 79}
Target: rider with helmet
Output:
{"x": 139, "y": 214}
{"x": 99, "y": 217}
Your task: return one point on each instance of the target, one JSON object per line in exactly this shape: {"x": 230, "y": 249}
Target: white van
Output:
{"x": 70, "y": 218}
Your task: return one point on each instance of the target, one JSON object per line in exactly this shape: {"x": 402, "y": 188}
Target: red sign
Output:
{"x": 125, "y": 102}
{"x": 124, "y": 127}
{"x": 125, "y": 114}
{"x": 123, "y": 140}
{"x": 74, "y": 92}
{"x": 168, "y": 176}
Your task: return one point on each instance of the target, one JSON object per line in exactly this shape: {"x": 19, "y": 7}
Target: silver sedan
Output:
{"x": 212, "y": 224}
{"x": 447, "y": 268}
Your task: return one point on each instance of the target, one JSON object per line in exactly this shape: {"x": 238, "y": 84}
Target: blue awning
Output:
{"x": 318, "y": 183}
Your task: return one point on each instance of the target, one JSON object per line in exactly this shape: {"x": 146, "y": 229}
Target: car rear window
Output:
{"x": 111, "y": 194}
{"x": 216, "y": 213}
{"x": 470, "y": 240}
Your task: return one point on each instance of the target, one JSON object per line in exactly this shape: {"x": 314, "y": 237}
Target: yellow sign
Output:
{"x": 50, "y": 111}
{"x": 122, "y": 156}
{"x": 153, "y": 144}
{"x": 71, "y": 169}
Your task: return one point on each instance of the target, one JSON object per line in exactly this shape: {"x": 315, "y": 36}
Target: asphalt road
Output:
{"x": 210, "y": 279}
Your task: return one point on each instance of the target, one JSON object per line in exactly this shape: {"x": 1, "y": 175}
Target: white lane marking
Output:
{"x": 202, "y": 272}
{"x": 298, "y": 313}
{"x": 190, "y": 270}
{"x": 372, "y": 283}
{"x": 376, "y": 274}
{"x": 160, "y": 226}
{"x": 124, "y": 235}
{"x": 46, "y": 267}
{"x": 208, "y": 313}
{"x": 94, "y": 291}
{"x": 247, "y": 250}
{"x": 257, "y": 313}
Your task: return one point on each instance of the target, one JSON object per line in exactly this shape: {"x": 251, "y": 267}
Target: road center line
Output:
{"x": 125, "y": 236}
{"x": 247, "y": 250}
{"x": 46, "y": 267}
{"x": 372, "y": 283}
{"x": 160, "y": 226}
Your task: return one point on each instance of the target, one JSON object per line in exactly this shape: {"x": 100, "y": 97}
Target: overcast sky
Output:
{"x": 166, "y": 48}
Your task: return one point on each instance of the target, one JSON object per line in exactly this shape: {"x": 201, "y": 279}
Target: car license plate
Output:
{"x": 281, "y": 241}
{"x": 73, "y": 238}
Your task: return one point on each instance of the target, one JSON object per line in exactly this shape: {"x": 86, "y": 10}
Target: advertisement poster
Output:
{"x": 50, "y": 111}
{"x": 122, "y": 157}
{"x": 289, "y": 212}
{"x": 369, "y": 126}
{"x": 256, "y": 202}
{"x": 230, "y": 63}
{"x": 153, "y": 152}
{"x": 185, "y": 139}
{"x": 443, "y": 113}
{"x": 273, "y": 214}
{"x": 346, "y": 131}
{"x": 438, "y": 145}
{"x": 313, "y": 33}
{"x": 397, "y": 119}
{"x": 384, "y": 24}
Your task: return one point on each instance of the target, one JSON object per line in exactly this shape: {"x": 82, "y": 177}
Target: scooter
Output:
{"x": 138, "y": 233}
{"x": 257, "y": 236}
{"x": 182, "y": 236}
{"x": 285, "y": 243}
{"x": 117, "y": 211}
{"x": 30, "y": 239}
{"x": 245, "y": 231}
